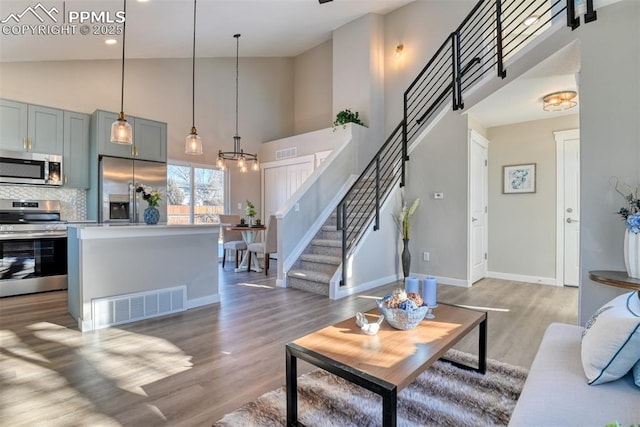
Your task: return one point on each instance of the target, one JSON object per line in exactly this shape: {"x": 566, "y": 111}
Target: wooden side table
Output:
{"x": 618, "y": 279}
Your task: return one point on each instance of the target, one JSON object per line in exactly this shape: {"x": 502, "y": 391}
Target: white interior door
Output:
{"x": 568, "y": 204}
{"x": 281, "y": 179}
{"x": 296, "y": 175}
{"x": 275, "y": 192}
{"x": 478, "y": 200}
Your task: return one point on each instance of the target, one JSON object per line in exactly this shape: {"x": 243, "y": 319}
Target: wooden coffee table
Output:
{"x": 387, "y": 362}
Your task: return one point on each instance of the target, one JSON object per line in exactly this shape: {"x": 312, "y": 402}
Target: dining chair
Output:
{"x": 269, "y": 245}
{"x": 231, "y": 239}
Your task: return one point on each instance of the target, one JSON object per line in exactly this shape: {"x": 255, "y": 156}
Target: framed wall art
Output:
{"x": 519, "y": 178}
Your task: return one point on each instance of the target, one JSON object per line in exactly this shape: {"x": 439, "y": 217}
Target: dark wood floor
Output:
{"x": 191, "y": 368}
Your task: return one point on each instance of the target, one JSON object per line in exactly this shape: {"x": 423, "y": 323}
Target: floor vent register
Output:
{"x": 142, "y": 305}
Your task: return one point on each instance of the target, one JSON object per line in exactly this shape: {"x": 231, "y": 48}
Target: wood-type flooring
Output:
{"x": 191, "y": 368}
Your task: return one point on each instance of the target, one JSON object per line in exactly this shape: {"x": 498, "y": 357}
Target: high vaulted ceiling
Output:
{"x": 164, "y": 28}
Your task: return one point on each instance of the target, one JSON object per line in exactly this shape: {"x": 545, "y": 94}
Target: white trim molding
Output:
{"x": 561, "y": 137}
{"x": 534, "y": 280}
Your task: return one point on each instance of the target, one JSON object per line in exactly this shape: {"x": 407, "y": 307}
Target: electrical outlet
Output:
{"x": 438, "y": 195}
{"x": 240, "y": 206}
{"x": 296, "y": 207}
{"x": 425, "y": 256}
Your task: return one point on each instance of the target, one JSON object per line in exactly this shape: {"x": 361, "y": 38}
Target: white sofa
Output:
{"x": 556, "y": 392}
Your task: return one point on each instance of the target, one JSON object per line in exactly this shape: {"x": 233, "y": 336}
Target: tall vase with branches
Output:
{"x": 403, "y": 220}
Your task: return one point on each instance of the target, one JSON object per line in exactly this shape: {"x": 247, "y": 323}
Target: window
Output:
{"x": 195, "y": 194}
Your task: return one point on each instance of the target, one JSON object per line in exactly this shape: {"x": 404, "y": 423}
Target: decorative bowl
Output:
{"x": 402, "y": 319}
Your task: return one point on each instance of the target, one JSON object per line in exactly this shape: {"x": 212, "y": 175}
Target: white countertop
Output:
{"x": 127, "y": 230}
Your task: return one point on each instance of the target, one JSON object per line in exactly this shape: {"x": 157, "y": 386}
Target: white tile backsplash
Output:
{"x": 73, "y": 201}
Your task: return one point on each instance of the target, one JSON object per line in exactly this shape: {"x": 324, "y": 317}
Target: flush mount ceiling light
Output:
{"x": 237, "y": 154}
{"x": 193, "y": 143}
{"x": 121, "y": 131}
{"x": 530, "y": 20}
{"x": 559, "y": 101}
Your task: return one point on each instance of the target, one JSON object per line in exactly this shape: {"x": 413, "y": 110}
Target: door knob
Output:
{"x": 569, "y": 220}
{"x": 474, "y": 219}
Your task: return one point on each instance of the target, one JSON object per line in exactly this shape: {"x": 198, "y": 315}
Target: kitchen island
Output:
{"x": 124, "y": 273}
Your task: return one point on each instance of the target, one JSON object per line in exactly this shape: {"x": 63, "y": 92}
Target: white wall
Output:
{"x": 610, "y": 140}
{"x": 313, "y": 80}
{"x": 358, "y": 73}
{"x": 522, "y": 227}
{"x": 439, "y": 227}
{"x": 422, "y": 27}
{"x": 160, "y": 89}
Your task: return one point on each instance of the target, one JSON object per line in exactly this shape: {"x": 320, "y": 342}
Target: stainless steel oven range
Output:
{"x": 33, "y": 247}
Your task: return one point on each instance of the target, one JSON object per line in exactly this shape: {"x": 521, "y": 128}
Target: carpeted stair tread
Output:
{"x": 312, "y": 276}
{"x": 321, "y": 259}
{"x": 327, "y": 242}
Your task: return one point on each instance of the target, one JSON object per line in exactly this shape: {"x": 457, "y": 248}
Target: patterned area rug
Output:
{"x": 442, "y": 395}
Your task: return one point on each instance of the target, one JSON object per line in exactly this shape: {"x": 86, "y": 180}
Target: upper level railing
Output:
{"x": 493, "y": 32}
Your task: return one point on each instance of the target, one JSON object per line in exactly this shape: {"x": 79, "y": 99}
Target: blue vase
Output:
{"x": 151, "y": 215}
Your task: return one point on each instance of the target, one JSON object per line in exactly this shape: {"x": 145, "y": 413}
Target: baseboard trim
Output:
{"x": 444, "y": 280}
{"x": 282, "y": 283}
{"x": 199, "y": 302}
{"x": 535, "y": 280}
{"x": 343, "y": 292}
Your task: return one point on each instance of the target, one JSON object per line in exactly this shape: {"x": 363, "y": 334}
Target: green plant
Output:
{"x": 347, "y": 116}
{"x": 250, "y": 210}
{"x": 149, "y": 194}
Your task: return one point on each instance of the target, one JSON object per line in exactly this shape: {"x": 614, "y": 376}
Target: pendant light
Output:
{"x": 238, "y": 155}
{"x": 193, "y": 143}
{"x": 121, "y": 131}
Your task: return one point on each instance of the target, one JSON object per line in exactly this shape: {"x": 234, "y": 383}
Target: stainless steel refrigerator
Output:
{"x": 118, "y": 180}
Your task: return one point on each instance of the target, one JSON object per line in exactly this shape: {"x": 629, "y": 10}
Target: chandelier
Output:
{"x": 237, "y": 155}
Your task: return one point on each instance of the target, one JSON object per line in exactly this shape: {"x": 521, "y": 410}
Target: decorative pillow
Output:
{"x": 611, "y": 340}
{"x": 636, "y": 373}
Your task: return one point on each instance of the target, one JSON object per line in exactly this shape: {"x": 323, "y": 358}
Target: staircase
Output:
{"x": 319, "y": 261}
{"x": 313, "y": 271}
{"x": 491, "y": 33}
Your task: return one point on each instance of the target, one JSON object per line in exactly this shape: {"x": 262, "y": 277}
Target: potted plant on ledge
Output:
{"x": 346, "y": 116}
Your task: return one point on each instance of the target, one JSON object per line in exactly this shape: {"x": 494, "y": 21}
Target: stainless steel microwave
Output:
{"x": 30, "y": 168}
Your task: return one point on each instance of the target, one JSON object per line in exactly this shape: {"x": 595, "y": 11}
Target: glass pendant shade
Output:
{"x": 193, "y": 143}
{"x": 255, "y": 167}
{"x": 220, "y": 163}
{"x": 121, "y": 131}
{"x": 242, "y": 163}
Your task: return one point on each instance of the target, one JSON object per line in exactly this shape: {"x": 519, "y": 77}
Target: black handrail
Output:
{"x": 491, "y": 32}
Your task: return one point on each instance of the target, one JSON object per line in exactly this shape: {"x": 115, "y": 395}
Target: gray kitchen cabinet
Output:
{"x": 32, "y": 128}
{"x": 149, "y": 138}
{"x": 76, "y": 150}
{"x": 13, "y": 125}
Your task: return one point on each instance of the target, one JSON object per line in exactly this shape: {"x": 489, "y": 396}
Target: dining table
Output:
{"x": 249, "y": 235}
